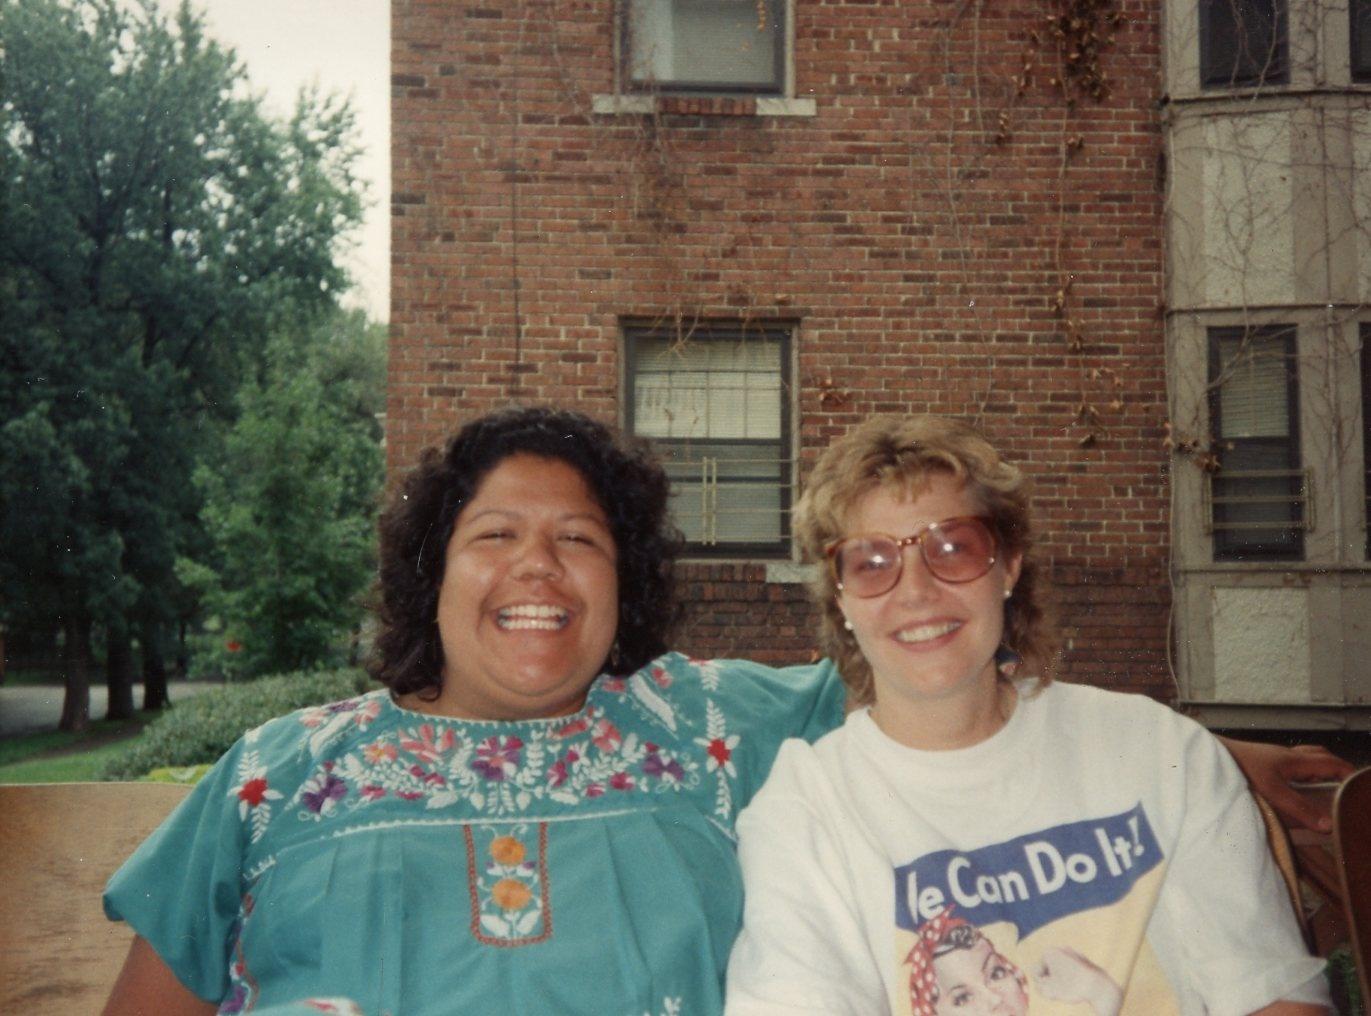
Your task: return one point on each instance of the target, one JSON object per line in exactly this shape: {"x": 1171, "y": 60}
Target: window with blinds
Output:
{"x": 715, "y": 406}
{"x": 1243, "y": 43}
{"x": 704, "y": 45}
{"x": 1259, "y": 497}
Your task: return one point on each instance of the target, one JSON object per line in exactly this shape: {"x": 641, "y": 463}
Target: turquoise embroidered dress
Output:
{"x": 422, "y": 865}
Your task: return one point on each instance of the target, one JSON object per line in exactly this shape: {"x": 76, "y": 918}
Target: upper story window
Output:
{"x": 715, "y": 406}
{"x": 705, "y": 45}
{"x": 1243, "y": 42}
{"x": 1360, "y": 12}
{"x": 1259, "y": 497}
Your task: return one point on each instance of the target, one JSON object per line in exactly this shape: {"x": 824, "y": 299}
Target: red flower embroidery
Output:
{"x": 253, "y": 791}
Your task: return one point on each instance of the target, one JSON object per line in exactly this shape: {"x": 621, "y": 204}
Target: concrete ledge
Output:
{"x": 704, "y": 105}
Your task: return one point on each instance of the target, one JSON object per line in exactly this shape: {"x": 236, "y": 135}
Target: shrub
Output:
{"x": 202, "y": 728}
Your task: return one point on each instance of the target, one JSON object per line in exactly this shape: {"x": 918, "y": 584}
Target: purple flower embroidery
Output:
{"x": 497, "y": 757}
{"x": 655, "y": 765}
{"x": 333, "y": 789}
{"x": 236, "y": 1001}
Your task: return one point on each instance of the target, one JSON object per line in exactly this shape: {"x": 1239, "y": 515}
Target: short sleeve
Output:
{"x": 1230, "y": 922}
{"x": 763, "y": 707}
{"x": 182, "y": 888}
{"x": 802, "y": 948}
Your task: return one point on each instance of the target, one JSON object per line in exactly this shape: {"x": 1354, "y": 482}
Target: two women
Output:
{"x": 535, "y": 815}
{"x": 974, "y": 842}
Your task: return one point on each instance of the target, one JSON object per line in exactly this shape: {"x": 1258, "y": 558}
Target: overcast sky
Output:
{"x": 344, "y": 47}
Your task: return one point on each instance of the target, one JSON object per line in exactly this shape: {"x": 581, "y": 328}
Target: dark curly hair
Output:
{"x": 626, "y": 481}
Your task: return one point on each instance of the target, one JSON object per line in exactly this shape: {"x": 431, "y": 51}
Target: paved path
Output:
{"x": 27, "y": 708}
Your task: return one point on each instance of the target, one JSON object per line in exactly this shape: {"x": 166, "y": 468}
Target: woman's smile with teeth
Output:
{"x": 532, "y": 617}
{"x": 927, "y": 632}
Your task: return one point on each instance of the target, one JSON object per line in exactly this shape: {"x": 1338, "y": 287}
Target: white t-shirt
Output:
{"x": 1099, "y": 847}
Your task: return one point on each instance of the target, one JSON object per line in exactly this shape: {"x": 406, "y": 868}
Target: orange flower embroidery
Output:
{"x": 506, "y": 850}
{"x": 510, "y": 894}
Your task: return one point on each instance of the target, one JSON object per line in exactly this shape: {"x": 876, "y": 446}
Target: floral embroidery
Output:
{"x": 330, "y": 721}
{"x": 719, "y": 746}
{"x": 662, "y": 766}
{"x": 509, "y": 889}
{"x": 606, "y": 736}
{"x": 322, "y": 792}
{"x": 709, "y": 673}
{"x": 254, "y": 794}
{"x": 340, "y": 1006}
{"x": 423, "y": 745}
{"x": 498, "y": 757}
{"x": 585, "y": 758}
{"x": 243, "y": 988}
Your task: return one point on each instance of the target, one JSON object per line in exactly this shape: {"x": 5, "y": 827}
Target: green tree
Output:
{"x": 290, "y": 506}
{"x": 155, "y": 227}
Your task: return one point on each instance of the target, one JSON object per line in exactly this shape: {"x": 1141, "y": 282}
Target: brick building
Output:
{"x": 738, "y": 227}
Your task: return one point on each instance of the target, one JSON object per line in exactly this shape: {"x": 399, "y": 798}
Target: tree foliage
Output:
{"x": 155, "y": 227}
{"x": 289, "y": 505}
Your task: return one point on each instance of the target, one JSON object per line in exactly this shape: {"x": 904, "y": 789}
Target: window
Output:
{"x": 705, "y": 45}
{"x": 1360, "y": 11}
{"x": 1242, "y": 42}
{"x": 1258, "y": 496}
{"x": 715, "y": 406}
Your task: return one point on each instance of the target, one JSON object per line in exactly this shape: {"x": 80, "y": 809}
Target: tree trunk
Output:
{"x": 119, "y": 670}
{"x": 76, "y": 667}
{"x": 154, "y": 667}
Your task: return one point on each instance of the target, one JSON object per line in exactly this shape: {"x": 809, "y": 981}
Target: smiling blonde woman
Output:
{"x": 974, "y": 820}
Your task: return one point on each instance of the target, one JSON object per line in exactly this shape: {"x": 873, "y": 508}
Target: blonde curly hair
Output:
{"x": 902, "y": 453}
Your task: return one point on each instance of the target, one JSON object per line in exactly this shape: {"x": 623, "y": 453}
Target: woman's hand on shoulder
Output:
{"x": 1272, "y": 768}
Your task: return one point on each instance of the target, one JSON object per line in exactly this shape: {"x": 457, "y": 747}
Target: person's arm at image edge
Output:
{"x": 1270, "y": 769}
{"x": 1292, "y": 1009}
{"x": 147, "y": 987}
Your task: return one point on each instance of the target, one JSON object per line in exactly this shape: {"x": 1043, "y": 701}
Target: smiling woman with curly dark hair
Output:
{"x": 538, "y": 771}
{"x": 624, "y": 479}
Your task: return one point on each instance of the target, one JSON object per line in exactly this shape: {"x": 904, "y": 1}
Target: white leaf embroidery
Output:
{"x": 659, "y": 707}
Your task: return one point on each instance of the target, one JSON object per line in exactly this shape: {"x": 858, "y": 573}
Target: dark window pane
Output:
{"x": 1361, "y": 40}
{"x": 1242, "y": 42}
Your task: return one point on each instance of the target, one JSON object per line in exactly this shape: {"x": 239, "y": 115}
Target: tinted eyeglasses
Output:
{"x": 955, "y": 550}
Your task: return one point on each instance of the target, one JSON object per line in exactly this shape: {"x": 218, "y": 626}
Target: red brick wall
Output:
{"x": 919, "y": 227}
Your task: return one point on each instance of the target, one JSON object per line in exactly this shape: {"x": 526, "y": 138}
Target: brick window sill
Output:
{"x": 702, "y": 105}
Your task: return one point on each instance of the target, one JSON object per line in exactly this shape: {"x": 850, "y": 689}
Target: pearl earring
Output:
{"x": 1008, "y": 593}
{"x": 847, "y": 624}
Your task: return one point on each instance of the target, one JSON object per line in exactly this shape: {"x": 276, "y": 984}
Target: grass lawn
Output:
{"x": 57, "y": 756}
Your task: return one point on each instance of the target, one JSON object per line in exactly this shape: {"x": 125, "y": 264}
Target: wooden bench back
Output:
{"x": 59, "y": 844}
